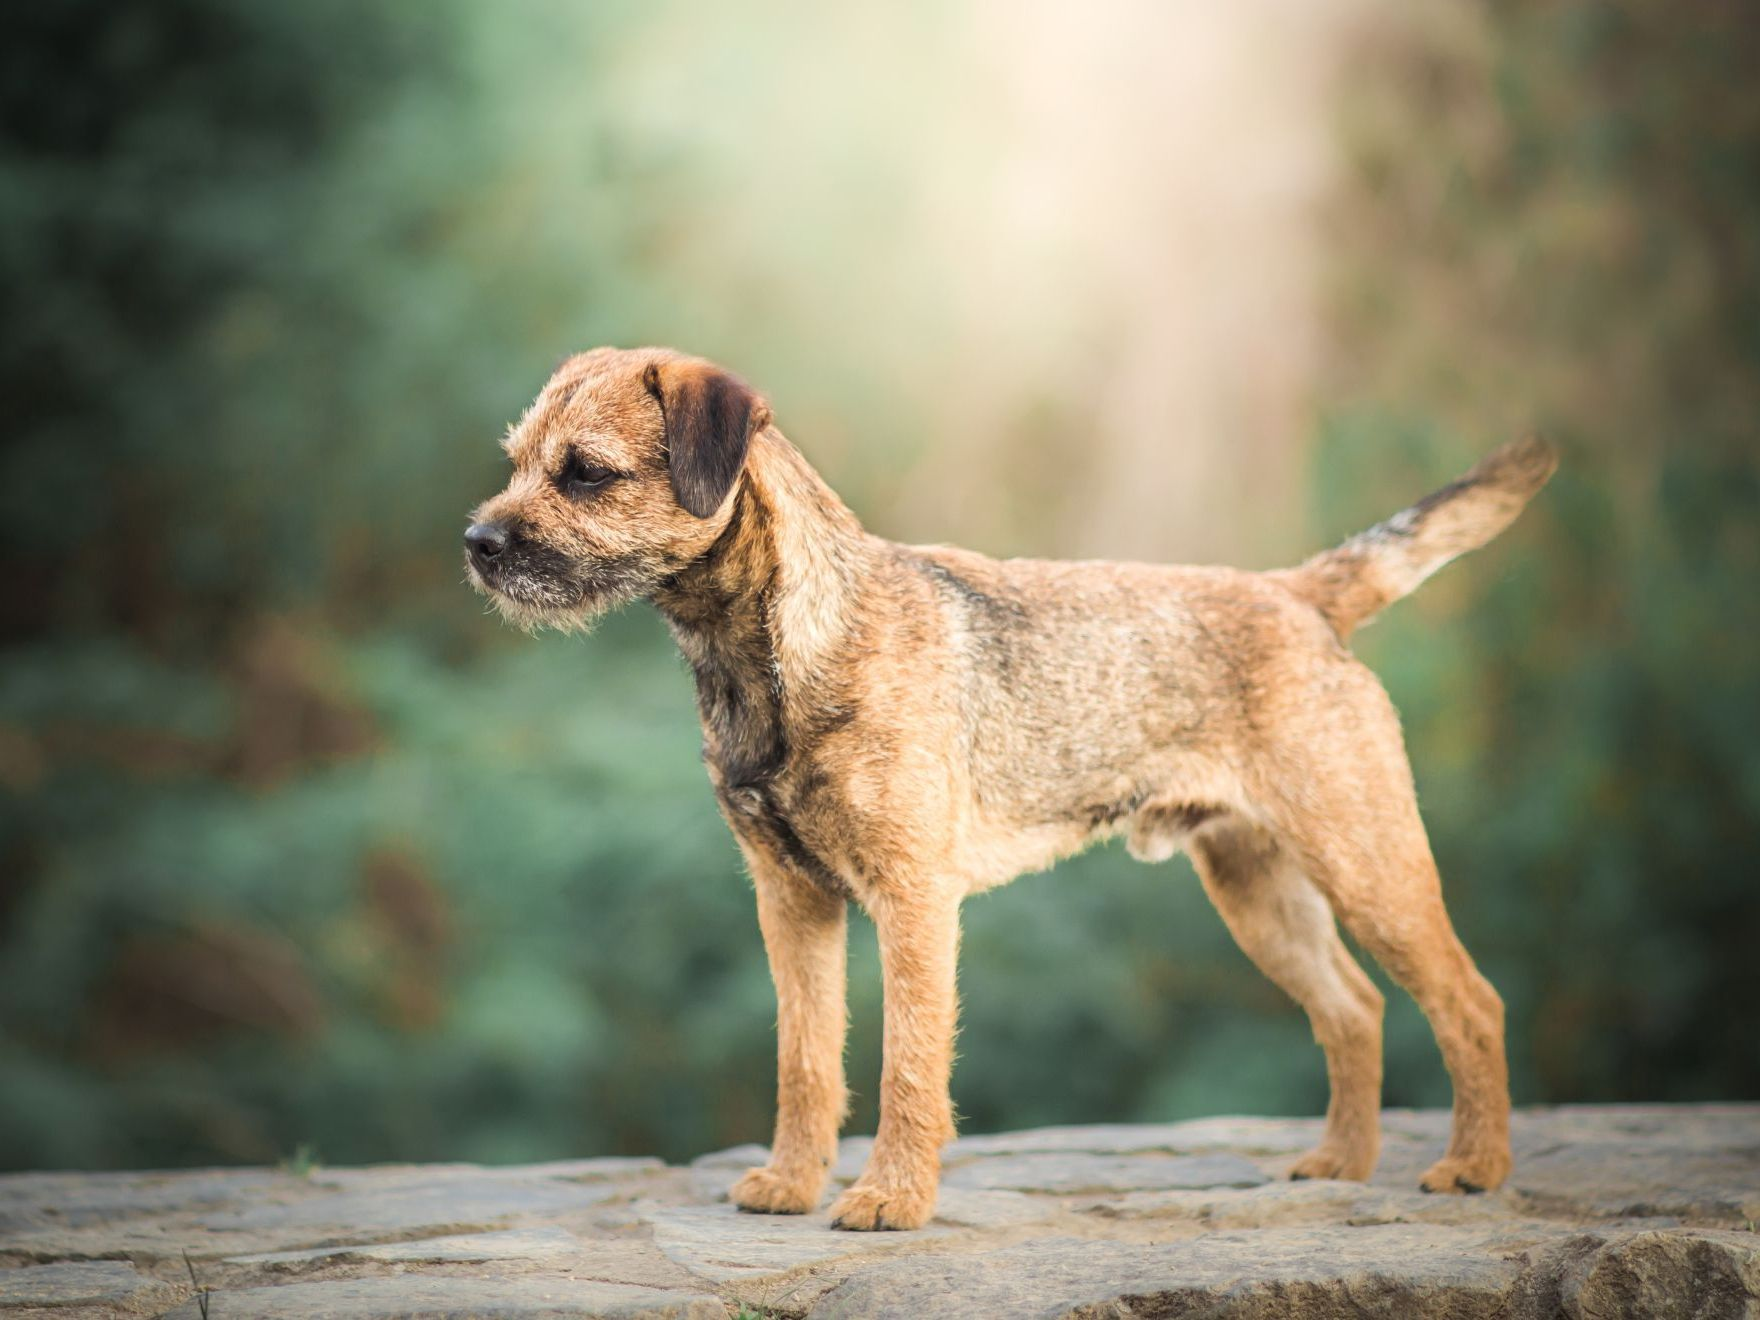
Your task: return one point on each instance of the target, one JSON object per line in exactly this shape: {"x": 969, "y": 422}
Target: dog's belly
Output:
{"x": 1157, "y": 809}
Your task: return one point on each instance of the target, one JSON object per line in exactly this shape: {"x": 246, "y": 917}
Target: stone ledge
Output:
{"x": 1627, "y": 1211}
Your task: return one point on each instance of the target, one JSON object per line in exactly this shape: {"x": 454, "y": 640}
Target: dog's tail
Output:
{"x": 1351, "y": 584}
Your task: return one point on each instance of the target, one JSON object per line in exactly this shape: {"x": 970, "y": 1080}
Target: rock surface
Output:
{"x": 1619, "y": 1211}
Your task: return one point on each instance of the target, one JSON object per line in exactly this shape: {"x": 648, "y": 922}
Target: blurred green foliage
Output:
{"x": 298, "y": 851}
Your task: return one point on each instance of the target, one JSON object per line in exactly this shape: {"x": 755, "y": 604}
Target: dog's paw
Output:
{"x": 1333, "y": 1162}
{"x": 1462, "y": 1173}
{"x": 767, "y": 1192}
{"x": 871, "y": 1207}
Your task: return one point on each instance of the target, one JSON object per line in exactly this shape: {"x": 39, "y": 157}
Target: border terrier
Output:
{"x": 906, "y": 725}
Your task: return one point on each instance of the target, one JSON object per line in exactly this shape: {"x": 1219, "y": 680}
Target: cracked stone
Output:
{"x": 374, "y": 1208}
{"x": 404, "y": 1297}
{"x": 1073, "y": 1173}
{"x": 720, "y": 1243}
{"x": 1283, "y": 1273}
{"x": 85, "y": 1283}
{"x": 533, "y": 1244}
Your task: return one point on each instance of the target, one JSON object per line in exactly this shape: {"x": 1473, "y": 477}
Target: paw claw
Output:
{"x": 870, "y": 1209}
{"x": 878, "y": 1226}
{"x": 1326, "y": 1162}
{"x": 1455, "y": 1175}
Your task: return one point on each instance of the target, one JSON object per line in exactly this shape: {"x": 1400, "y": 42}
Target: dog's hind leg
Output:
{"x": 1285, "y": 926}
{"x": 1359, "y": 837}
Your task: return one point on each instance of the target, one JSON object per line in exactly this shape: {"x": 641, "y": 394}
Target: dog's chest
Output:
{"x": 768, "y": 776}
{"x": 792, "y": 819}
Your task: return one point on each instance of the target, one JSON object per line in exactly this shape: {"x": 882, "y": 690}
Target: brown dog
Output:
{"x": 906, "y": 725}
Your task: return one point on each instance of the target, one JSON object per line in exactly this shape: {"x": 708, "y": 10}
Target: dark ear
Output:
{"x": 711, "y": 416}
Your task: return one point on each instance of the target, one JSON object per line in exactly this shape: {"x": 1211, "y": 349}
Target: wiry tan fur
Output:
{"x": 907, "y": 725}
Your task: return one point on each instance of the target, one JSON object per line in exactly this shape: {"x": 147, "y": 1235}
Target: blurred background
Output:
{"x": 303, "y": 854}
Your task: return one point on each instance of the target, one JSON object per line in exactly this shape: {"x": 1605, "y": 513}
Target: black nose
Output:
{"x": 485, "y": 540}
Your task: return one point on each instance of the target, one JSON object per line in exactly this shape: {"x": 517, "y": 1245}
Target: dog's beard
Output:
{"x": 566, "y": 598}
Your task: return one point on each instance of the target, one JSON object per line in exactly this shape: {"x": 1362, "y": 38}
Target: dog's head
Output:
{"x": 624, "y": 469}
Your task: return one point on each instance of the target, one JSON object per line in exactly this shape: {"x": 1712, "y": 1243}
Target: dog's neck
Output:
{"x": 760, "y": 613}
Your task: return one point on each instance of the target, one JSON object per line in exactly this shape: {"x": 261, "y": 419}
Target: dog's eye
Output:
{"x": 580, "y": 476}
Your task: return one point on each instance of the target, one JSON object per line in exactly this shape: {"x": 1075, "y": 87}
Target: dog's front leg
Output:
{"x": 805, "y": 937}
{"x": 919, "y": 943}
